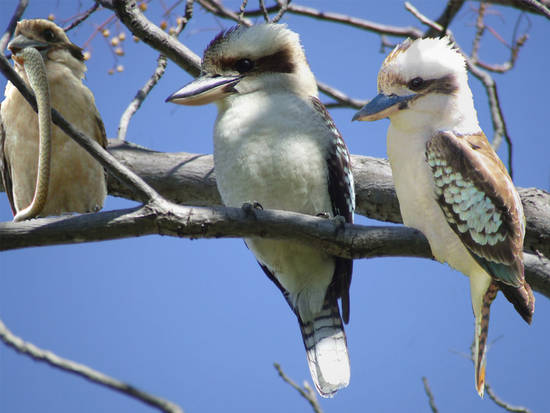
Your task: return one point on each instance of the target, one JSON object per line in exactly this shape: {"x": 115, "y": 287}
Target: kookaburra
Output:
{"x": 76, "y": 181}
{"x": 450, "y": 183}
{"x": 275, "y": 144}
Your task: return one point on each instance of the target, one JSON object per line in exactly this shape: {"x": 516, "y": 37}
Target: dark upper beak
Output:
{"x": 382, "y": 106}
{"x": 20, "y": 42}
{"x": 205, "y": 89}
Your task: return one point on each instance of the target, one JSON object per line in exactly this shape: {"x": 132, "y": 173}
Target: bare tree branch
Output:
{"x": 83, "y": 17}
{"x": 347, "y": 20}
{"x": 539, "y": 6}
{"x": 165, "y": 218}
{"x": 453, "y": 7}
{"x": 307, "y": 392}
{"x": 434, "y": 26}
{"x": 141, "y": 95}
{"x": 217, "y": 8}
{"x": 282, "y": 10}
{"x": 128, "y": 12}
{"x": 190, "y": 179}
{"x": 19, "y": 10}
{"x": 506, "y": 406}
{"x": 340, "y": 97}
{"x": 430, "y": 395}
{"x": 81, "y": 370}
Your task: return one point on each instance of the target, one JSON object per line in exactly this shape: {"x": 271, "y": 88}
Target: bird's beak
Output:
{"x": 21, "y": 42}
{"x": 382, "y": 106}
{"x": 205, "y": 89}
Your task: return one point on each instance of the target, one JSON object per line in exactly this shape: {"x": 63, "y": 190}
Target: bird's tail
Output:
{"x": 522, "y": 298}
{"x": 326, "y": 348}
{"x": 480, "y": 338}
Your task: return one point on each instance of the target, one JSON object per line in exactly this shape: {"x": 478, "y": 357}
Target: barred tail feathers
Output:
{"x": 326, "y": 348}
{"x": 480, "y": 337}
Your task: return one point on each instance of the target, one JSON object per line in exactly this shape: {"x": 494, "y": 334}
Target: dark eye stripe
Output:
{"x": 278, "y": 62}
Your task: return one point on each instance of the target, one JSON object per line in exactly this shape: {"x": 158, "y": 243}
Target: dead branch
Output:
{"x": 38, "y": 354}
{"x": 430, "y": 395}
{"x": 306, "y": 392}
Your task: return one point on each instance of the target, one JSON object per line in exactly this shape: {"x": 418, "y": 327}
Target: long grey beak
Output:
{"x": 21, "y": 42}
{"x": 382, "y": 106}
{"x": 205, "y": 89}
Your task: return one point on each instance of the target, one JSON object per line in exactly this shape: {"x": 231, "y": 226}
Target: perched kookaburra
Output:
{"x": 275, "y": 144}
{"x": 77, "y": 181}
{"x": 450, "y": 183}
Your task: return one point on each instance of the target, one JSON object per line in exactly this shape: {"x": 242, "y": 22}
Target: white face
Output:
{"x": 244, "y": 60}
{"x": 423, "y": 84}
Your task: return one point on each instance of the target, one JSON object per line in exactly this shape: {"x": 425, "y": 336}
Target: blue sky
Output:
{"x": 198, "y": 323}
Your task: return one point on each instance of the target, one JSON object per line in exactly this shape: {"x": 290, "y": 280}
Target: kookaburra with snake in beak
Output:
{"x": 44, "y": 171}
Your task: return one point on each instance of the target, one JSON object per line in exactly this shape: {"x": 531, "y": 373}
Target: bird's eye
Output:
{"x": 416, "y": 84}
{"x": 244, "y": 65}
{"x": 48, "y": 35}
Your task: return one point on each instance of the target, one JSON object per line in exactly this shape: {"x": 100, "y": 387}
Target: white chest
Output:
{"x": 414, "y": 185}
{"x": 270, "y": 150}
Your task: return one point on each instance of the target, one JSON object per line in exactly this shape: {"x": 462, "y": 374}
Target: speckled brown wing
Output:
{"x": 483, "y": 208}
{"x": 5, "y": 168}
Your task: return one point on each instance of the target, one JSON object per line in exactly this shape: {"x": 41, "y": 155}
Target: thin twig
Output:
{"x": 352, "y": 21}
{"x": 307, "y": 392}
{"x": 452, "y": 8}
{"x": 423, "y": 19}
{"x": 215, "y": 7}
{"x": 19, "y": 10}
{"x": 264, "y": 11}
{"x": 430, "y": 395}
{"x": 499, "y": 124}
{"x": 29, "y": 349}
{"x": 341, "y": 98}
{"x": 142, "y": 94}
{"x": 282, "y": 10}
{"x": 86, "y": 14}
{"x": 501, "y": 403}
{"x": 242, "y": 9}
{"x": 480, "y": 28}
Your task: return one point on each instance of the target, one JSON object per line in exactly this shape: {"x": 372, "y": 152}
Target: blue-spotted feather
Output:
{"x": 478, "y": 198}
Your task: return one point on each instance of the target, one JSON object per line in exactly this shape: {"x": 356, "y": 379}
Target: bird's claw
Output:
{"x": 251, "y": 207}
{"x": 325, "y": 215}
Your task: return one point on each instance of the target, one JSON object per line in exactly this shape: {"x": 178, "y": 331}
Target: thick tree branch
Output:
{"x": 128, "y": 12}
{"x": 165, "y": 218}
{"x": 88, "y": 373}
{"x": 190, "y": 179}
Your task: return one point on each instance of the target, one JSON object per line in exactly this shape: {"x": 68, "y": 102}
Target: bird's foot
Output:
{"x": 325, "y": 215}
{"x": 340, "y": 220}
{"x": 251, "y": 207}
